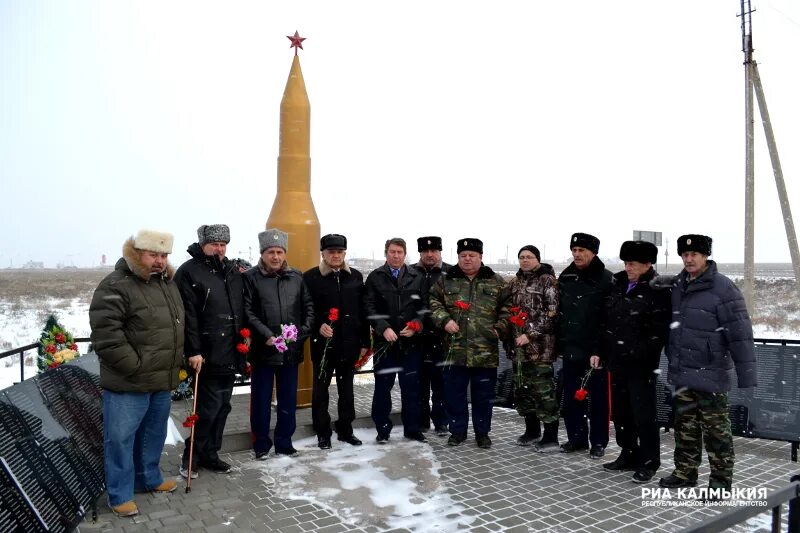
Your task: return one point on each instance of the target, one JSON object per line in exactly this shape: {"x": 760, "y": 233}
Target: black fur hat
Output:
{"x": 694, "y": 243}
{"x": 584, "y": 240}
{"x": 333, "y": 240}
{"x": 429, "y": 243}
{"x": 469, "y": 244}
{"x": 641, "y": 251}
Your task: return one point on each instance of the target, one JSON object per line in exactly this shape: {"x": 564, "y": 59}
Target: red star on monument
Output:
{"x": 297, "y": 41}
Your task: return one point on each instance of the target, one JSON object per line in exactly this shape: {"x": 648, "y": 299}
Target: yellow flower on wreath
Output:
{"x": 182, "y": 374}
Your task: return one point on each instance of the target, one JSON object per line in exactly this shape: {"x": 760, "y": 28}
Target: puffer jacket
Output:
{"x": 582, "y": 311}
{"x": 535, "y": 293}
{"x": 213, "y": 299}
{"x": 272, "y": 299}
{"x": 637, "y": 326}
{"x": 711, "y": 333}
{"x": 137, "y": 327}
{"x": 343, "y": 290}
{"x": 476, "y": 344}
{"x": 392, "y": 303}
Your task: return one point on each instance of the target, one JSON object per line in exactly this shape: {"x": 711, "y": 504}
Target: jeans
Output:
{"x": 134, "y": 430}
{"x": 261, "y": 380}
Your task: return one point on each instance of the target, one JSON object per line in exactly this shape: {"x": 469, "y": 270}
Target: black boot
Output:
{"x": 532, "y": 431}
{"x": 549, "y": 442}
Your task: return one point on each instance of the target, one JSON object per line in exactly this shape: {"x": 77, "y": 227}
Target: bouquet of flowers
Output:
{"x": 288, "y": 335}
{"x": 56, "y": 346}
{"x": 518, "y": 319}
{"x": 184, "y": 390}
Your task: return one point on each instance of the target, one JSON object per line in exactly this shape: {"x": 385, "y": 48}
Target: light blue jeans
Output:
{"x": 134, "y": 430}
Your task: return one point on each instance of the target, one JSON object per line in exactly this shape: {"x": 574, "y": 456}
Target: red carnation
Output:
{"x": 73, "y": 347}
{"x": 242, "y": 348}
{"x": 461, "y": 304}
{"x": 516, "y": 309}
{"x": 517, "y": 321}
{"x": 50, "y": 348}
{"x": 333, "y": 314}
{"x": 190, "y": 420}
{"x": 53, "y": 365}
{"x": 60, "y": 338}
{"x": 414, "y": 325}
{"x": 245, "y": 333}
{"x": 581, "y": 394}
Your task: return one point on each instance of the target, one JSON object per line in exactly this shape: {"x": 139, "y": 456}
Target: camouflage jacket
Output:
{"x": 486, "y": 317}
{"x": 536, "y": 293}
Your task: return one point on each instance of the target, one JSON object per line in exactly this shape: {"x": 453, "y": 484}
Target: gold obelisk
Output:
{"x": 293, "y": 210}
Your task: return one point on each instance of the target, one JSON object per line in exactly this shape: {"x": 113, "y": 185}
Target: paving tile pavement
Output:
{"x": 506, "y": 488}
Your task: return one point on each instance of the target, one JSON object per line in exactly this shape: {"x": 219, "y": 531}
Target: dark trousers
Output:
{"x": 586, "y": 420}
{"x": 320, "y": 398}
{"x": 431, "y": 386}
{"x": 261, "y": 383}
{"x": 482, "y": 385}
{"x": 633, "y": 404}
{"x": 405, "y": 365}
{"x": 213, "y": 406}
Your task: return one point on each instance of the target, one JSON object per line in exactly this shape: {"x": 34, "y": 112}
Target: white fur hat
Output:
{"x": 153, "y": 241}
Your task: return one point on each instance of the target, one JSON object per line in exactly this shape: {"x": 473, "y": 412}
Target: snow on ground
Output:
{"x": 397, "y": 485}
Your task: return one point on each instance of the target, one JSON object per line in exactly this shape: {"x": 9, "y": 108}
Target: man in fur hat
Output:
{"x": 136, "y": 316}
{"x": 585, "y": 285}
{"x": 213, "y": 299}
{"x": 338, "y": 338}
{"x": 637, "y": 326}
{"x": 431, "y": 383}
{"x": 712, "y": 334}
{"x": 275, "y": 296}
{"x": 471, "y": 304}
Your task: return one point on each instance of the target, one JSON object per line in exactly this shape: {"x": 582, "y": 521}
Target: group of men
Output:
{"x": 435, "y": 327}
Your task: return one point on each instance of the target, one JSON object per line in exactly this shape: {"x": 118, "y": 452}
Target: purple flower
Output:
{"x": 280, "y": 344}
{"x": 289, "y": 332}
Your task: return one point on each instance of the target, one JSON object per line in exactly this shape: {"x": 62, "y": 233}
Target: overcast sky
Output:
{"x": 513, "y": 121}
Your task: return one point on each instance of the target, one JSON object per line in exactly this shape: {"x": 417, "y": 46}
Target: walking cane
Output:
{"x": 194, "y": 421}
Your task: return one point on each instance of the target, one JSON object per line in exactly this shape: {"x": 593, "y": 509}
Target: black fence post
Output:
{"x": 794, "y": 507}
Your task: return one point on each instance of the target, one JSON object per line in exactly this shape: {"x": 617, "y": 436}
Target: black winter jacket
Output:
{"x": 582, "y": 311}
{"x": 391, "y": 303}
{"x": 343, "y": 290}
{"x": 137, "y": 327}
{"x": 637, "y": 326}
{"x": 272, "y": 299}
{"x": 713, "y": 333}
{"x": 213, "y": 297}
{"x": 431, "y": 336}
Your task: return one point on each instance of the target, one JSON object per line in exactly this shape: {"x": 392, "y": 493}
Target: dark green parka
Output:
{"x": 137, "y": 327}
{"x": 488, "y": 300}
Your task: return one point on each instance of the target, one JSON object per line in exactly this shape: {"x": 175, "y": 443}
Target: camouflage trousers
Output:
{"x": 699, "y": 416}
{"x": 535, "y": 391}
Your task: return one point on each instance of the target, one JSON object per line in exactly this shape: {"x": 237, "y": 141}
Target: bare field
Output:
{"x": 47, "y": 290}
{"x": 59, "y": 284}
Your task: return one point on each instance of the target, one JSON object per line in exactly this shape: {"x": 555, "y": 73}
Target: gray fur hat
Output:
{"x": 273, "y": 237}
{"x": 213, "y": 233}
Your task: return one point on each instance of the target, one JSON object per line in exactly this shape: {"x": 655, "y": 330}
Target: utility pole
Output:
{"x": 749, "y": 175}
{"x": 753, "y": 83}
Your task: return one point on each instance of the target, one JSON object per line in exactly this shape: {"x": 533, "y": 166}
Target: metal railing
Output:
{"x": 737, "y": 515}
{"x": 35, "y": 346}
